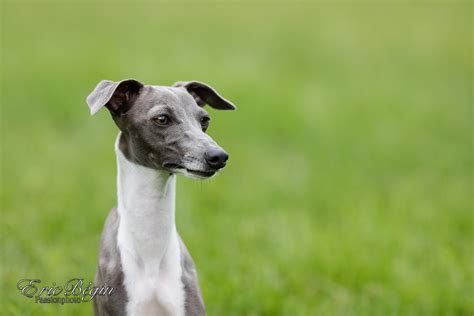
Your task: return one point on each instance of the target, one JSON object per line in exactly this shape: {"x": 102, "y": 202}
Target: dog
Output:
{"x": 162, "y": 134}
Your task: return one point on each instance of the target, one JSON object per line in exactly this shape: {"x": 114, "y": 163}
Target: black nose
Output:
{"x": 216, "y": 158}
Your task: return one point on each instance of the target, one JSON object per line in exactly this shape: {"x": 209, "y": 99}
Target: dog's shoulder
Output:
{"x": 109, "y": 272}
{"x": 194, "y": 304}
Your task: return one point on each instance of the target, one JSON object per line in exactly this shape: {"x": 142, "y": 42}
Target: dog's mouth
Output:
{"x": 182, "y": 169}
{"x": 201, "y": 173}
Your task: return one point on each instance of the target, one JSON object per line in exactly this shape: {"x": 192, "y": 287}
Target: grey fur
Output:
{"x": 110, "y": 272}
{"x": 205, "y": 94}
{"x": 134, "y": 108}
{"x": 194, "y": 305}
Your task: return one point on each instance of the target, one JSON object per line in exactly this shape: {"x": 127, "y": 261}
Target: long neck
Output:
{"x": 146, "y": 205}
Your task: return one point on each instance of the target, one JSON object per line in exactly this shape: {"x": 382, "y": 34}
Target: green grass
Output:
{"x": 349, "y": 188}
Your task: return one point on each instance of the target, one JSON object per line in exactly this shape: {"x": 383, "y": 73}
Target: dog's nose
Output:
{"x": 216, "y": 158}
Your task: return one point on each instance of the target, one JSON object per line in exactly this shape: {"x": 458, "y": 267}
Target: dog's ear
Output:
{"x": 116, "y": 96}
{"x": 204, "y": 94}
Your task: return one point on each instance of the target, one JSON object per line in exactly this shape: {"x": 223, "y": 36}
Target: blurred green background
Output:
{"x": 349, "y": 188}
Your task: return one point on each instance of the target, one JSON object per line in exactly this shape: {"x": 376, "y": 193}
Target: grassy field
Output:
{"x": 349, "y": 187}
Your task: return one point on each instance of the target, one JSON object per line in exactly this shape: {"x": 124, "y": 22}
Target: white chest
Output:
{"x": 154, "y": 288}
{"x": 148, "y": 241}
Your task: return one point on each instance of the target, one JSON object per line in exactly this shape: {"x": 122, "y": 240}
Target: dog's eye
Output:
{"x": 205, "y": 122}
{"x": 162, "y": 120}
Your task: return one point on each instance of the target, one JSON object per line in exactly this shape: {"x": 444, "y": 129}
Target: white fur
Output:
{"x": 148, "y": 240}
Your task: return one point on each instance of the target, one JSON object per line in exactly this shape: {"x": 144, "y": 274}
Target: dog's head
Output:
{"x": 164, "y": 127}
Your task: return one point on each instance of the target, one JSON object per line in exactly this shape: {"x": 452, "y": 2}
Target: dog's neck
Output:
{"x": 146, "y": 205}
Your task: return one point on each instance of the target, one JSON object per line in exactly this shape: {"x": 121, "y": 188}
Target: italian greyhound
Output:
{"x": 162, "y": 133}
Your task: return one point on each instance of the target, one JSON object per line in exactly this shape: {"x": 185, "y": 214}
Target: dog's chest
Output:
{"x": 148, "y": 242}
{"x": 154, "y": 287}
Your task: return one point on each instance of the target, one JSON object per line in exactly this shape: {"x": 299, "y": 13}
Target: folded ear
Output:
{"x": 116, "y": 96}
{"x": 204, "y": 94}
